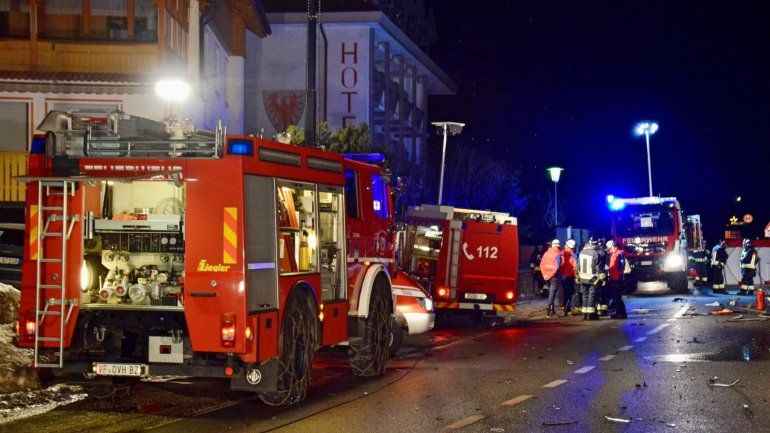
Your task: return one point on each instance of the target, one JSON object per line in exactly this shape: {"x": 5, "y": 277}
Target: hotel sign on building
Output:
{"x": 369, "y": 72}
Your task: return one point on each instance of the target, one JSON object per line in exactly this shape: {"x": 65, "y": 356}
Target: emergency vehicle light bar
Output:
{"x": 617, "y": 203}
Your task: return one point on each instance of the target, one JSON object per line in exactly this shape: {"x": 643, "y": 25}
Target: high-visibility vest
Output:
{"x": 549, "y": 264}
{"x": 617, "y": 265}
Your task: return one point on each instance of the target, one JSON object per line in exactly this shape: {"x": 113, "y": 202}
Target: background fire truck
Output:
{"x": 158, "y": 249}
{"x": 652, "y": 234}
{"x": 468, "y": 258}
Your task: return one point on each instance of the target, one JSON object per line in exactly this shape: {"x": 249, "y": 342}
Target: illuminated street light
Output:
{"x": 172, "y": 90}
{"x": 445, "y": 128}
{"x": 647, "y": 129}
{"x": 555, "y": 175}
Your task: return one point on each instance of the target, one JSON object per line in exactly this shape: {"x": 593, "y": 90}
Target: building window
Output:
{"x": 14, "y": 122}
{"x": 109, "y": 20}
{"x": 14, "y": 19}
{"x": 61, "y": 19}
{"x": 146, "y": 21}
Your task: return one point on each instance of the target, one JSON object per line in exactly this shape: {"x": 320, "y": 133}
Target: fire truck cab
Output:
{"x": 652, "y": 234}
{"x": 468, "y": 258}
{"x": 158, "y": 249}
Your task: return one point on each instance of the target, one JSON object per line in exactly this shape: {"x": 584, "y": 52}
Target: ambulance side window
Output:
{"x": 351, "y": 194}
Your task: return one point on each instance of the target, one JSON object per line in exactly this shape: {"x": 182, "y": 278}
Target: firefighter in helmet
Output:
{"x": 749, "y": 260}
{"x": 718, "y": 262}
{"x": 591, "y": 277}
{"x": 549, "y": 266}
{"x": 568, "y": 270}
{"x": 616, "y": 266}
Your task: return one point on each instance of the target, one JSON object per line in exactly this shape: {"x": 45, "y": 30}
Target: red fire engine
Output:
{"x": 158, "y": 249}
{"x": 469, "y": 258}
{"x": 653, "y": 236}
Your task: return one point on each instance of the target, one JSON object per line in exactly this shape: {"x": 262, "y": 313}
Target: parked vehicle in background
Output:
{"x": 467, "y": 258}
{"x": 652, "y": 234}
{"x": 157, "y": 249}
{"x": 11, "y": 242}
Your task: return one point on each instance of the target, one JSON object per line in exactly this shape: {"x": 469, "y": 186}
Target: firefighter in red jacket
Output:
{"x": 549, "y": 267}
{"x": 567, "y": 271}
{"x": 616, "y": 269}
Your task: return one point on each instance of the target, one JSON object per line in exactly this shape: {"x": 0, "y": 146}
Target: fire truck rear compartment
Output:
{"x": 134, "y": 247}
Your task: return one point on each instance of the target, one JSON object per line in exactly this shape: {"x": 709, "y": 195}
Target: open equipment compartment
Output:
{"x": 134, "y": 247}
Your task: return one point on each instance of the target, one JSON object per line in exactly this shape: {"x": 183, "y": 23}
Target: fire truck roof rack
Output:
{"x": 121, "y": 135}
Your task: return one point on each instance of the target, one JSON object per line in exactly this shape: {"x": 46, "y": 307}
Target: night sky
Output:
{"x": 543, "y": 83}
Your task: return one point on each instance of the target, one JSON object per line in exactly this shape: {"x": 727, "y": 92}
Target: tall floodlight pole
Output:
{"x": 555, "y": 174}
{"x": 647, "y": 129}
{"x": 445, "y": 128}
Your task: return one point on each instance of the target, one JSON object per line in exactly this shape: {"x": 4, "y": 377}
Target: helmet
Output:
{"x": 747, "y": 242}
{"x": 610, "y": 243}
{"x": 570, "y": 244}
{"x": 555, "y": 243}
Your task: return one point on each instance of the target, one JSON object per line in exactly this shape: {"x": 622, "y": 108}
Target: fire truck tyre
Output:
{"x": 371, "y": 351}
{"x": 398, "y": 334}
{"x": 298, "y": 342}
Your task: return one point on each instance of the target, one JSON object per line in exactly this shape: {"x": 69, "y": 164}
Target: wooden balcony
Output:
{"x": 79, "y": 56}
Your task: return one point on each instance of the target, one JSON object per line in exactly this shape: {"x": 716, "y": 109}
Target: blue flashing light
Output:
{"x": 610, "y": 198}
{"x": 369, "y": 158}
{"x": 616, "y": 205}
{"x": 240, "y": 147}
{"x": 38, "y": 145}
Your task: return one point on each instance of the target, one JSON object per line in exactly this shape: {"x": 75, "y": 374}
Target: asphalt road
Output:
{"x": 658, "y": 371}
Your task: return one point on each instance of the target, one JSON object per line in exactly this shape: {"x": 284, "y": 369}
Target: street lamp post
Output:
{"x": 647, "y": 129}
{"x": 445, "y": 128}
{"x": 555, "y": 174}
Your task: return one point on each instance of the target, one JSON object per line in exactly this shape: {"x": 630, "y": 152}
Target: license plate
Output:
{"x": 119, "y": 369}
{"x": 646, "y": 263}
{"x": 476, "y": 296}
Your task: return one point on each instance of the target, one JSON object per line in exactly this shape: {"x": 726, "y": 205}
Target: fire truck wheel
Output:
{"x": 298, "y": 342}
{"x": 679, "y": 283}
{"x": 370, "y": 352}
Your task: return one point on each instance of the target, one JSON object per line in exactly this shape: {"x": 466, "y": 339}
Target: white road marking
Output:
{"x": 640, "y": 339}
{"x": 555, "y": 383}
{"x": 516, "y": 400}
{"x": 585, "y": 369}
{"x": 658, "y": 328}
{"x": 625, "y": 348}
{"x": 606, "y": 358}
{"x": 465, "y": 422}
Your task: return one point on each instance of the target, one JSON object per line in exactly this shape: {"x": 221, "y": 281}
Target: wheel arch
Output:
{"x": 367, "y": 287}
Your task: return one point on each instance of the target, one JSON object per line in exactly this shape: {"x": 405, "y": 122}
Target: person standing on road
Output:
{"x": 718, "y": 261}
{"x": 567, "y": 273}
{"x": 749, "y": 260}
{"x": 549, "y": 266}
{"x": 591, "y": 276}
{"x": 616, "y": 270}
{"x": 534, "y": 267}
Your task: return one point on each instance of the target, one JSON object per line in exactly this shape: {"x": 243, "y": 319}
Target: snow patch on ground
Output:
{"x": 16, "y": 373}
{"x": 25, "y": 404}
